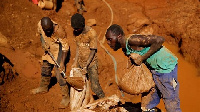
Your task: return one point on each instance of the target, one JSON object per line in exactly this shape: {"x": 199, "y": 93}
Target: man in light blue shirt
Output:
{"x": 160, "y": 61}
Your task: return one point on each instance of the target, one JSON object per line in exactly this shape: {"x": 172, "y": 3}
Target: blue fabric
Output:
{"x": 162, "y": 61}
{"x": 164, "y": 88}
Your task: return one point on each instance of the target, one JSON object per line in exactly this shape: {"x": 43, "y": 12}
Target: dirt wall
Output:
{"x": 177, "y": 21}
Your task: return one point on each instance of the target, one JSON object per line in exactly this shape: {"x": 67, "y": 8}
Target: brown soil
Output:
{"x": 178, "y": 21}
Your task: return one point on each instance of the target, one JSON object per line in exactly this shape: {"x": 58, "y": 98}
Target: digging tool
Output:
{"x": 76, "y": 82}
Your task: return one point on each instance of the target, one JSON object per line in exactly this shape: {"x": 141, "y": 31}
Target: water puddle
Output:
{"x": 189, "y": 80}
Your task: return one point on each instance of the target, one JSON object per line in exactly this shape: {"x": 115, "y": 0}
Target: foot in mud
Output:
{"x": 39, "y": 90}
{"x": 65, "y": 97}
{"x": 155, "y": 109}
{"x": 44, "y": 86}
{"x": 64, "y": 103}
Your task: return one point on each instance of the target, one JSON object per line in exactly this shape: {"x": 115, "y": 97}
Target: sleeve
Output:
{"x": 93, "y": 39}
{"x": 39, "y": 29}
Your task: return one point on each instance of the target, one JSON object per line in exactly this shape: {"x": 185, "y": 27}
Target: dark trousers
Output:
{"x": 94, "y": 79}
{"x": 46, "y": 72}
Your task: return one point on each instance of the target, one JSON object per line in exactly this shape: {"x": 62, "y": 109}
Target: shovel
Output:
{"x": 76, "y": 82}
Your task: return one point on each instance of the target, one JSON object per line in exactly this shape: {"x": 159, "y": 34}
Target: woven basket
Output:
{"x": 136, "y": 80}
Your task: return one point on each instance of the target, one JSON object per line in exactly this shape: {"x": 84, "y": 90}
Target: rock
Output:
{"x": 3, "y": 40}
{"x": 145, "y": 30}
{"x": 136, "y": 21}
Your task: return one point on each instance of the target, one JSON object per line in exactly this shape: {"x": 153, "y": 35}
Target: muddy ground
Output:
{"x": 178, "y": 21}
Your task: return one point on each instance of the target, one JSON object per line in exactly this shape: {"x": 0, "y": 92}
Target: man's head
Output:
{"x": 113, "y": 33}
{"x": 77, "y": 23}
{"x": 47, "y": 26}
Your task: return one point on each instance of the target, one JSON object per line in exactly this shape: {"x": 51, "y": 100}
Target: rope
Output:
{"x": 102, "y": 46}
{"x": 111, "y": 19}
{"x": 112, "y": 57}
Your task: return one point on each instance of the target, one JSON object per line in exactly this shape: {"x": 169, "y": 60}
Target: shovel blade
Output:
{"x": 76, "y": 82}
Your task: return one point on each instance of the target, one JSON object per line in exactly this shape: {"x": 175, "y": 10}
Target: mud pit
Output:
{"x": 177, "y": 21}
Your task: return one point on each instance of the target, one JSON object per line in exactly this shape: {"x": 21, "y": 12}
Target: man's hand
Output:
{"x": 46, "y": 48}
{"x": 138, "y": 59}
{"x": 129, "y": 63}
{"x": 62, "y": 67}
{"x": 74, "y": 65}
{"x": 84, "y": 70}
{"x": 62, "y": 62}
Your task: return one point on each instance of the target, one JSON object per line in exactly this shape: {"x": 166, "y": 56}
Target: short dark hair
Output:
{"x": 116, "y": 29}
{"x": 46, "y": 23}
{"x": 77, "y": 21}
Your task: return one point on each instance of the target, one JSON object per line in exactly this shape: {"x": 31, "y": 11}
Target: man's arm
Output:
{"x": 63, "y": 59}
{"x": 93, "y": 47}
{"x": 65, "y": 50}
{"x": 90, "y": 58}
{"x": 152, "y": 41}
{"x": 76, "y": 58}
{"x": 61, "y": 35}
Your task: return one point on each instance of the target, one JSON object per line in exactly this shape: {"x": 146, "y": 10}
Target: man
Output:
{"x": 54, "y": 41}
{"x": 80, "y": 6}
{"x": 161, "y": 62}
{"x": 86, "y": 58}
